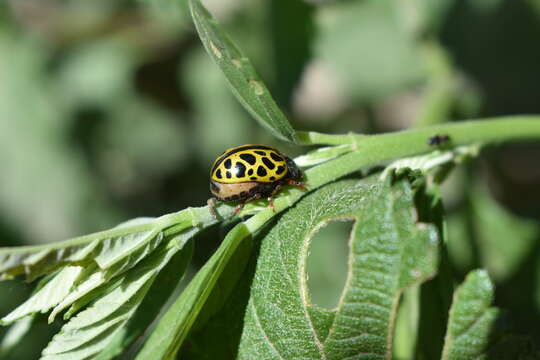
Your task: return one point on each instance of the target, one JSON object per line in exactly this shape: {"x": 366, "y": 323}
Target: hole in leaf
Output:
{"x": 327, "y": 263}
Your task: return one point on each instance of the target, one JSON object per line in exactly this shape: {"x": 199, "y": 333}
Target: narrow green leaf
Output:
{"x": 241, "y": 75}
{"x": 93, "y": 329}
{"x": 216, "y": 332}
{"x": 472, "y": 320}
{"x": 389, "y": 251}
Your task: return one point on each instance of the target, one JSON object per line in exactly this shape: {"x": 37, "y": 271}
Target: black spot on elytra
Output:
{"x": 227, "y": 163}
{"x": 228, "y": 174}
{"x": 240, "y": 169}
{"x": 250, "y": 172}
{"x": 218, "y": 174}
{"x": 280, "y": 169}
{"x": 269, "y": 164}
{"x": 260, "y": 152}
{"x": 272, "y": 178}
{"x": 253, "y": 178}
{"x": 261, "y": 171}
{"x": 276, "y": 157}
{"x": 249, "y": 158}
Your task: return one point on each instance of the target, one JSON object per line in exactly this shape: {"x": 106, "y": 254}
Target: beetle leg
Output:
{"x": 270, "y": 197}
{"x": 241, "y": 205}
{"x": 212, "y": 207}
{"x": 298, "y": 184}
{"x": 271, "y": 203}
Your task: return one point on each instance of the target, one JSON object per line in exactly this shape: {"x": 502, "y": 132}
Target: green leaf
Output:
{"x": 114, "y": 250}
{"x": 241, "y": 75}
{"x": 175, "y": 325}
{"x": 389, "y": 251}
{"x": 106, "y": 248}
{"x": 95, "y": 328}
{"x": 472, "y": 320}
{"x": 48, "y": 296}
{"x": 162, "y": 288}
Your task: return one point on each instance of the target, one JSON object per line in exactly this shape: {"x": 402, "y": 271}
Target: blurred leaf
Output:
{"x": 244, "y": 81}
{"x": 423, "y": 16}
{"x": 368, "y": 47}
{"x": 441, "y": 87}
{"x": 171, "y": 13}
{"x": 42, "y": 177}
{"x": 292, "y": 32}
{"x": 93, "y": 330}
{"x": 460, "y": 243}
{"x": 97, "y": 73}
{"x": 472, "y": 320}
{"x": 221, "y": 125}
{"x": 389, "y": 252}
{"x": 504, "y": 239}
{"x": 140, "y": 143}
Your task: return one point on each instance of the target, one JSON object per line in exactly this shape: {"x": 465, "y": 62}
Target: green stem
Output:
{"x": 508, "y": 128}
{"x": 315, "y": 138}
{"x": 377, "y": 149}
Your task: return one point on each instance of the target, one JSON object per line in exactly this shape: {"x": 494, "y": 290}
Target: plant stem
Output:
{"x": 507, "y": 128}
{"x": 377, "y": 149}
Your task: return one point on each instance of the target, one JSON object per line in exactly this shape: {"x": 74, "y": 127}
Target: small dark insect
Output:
{"x": 438, "y": 140}
{"x": 249, "y": 172}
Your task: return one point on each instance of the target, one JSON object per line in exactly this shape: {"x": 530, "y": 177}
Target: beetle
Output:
{"x": 438, "y": 140}
{"x": 248, "y": 172}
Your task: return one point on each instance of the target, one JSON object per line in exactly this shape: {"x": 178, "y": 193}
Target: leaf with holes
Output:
{"x": 389, "y": 251}
{"x": 241, "y": 75}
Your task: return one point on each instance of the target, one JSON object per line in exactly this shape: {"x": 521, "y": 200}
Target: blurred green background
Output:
{"x": 111, "y": 110}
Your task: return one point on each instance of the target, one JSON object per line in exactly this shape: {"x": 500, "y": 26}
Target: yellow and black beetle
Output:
{"x": 248, "y": 172}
